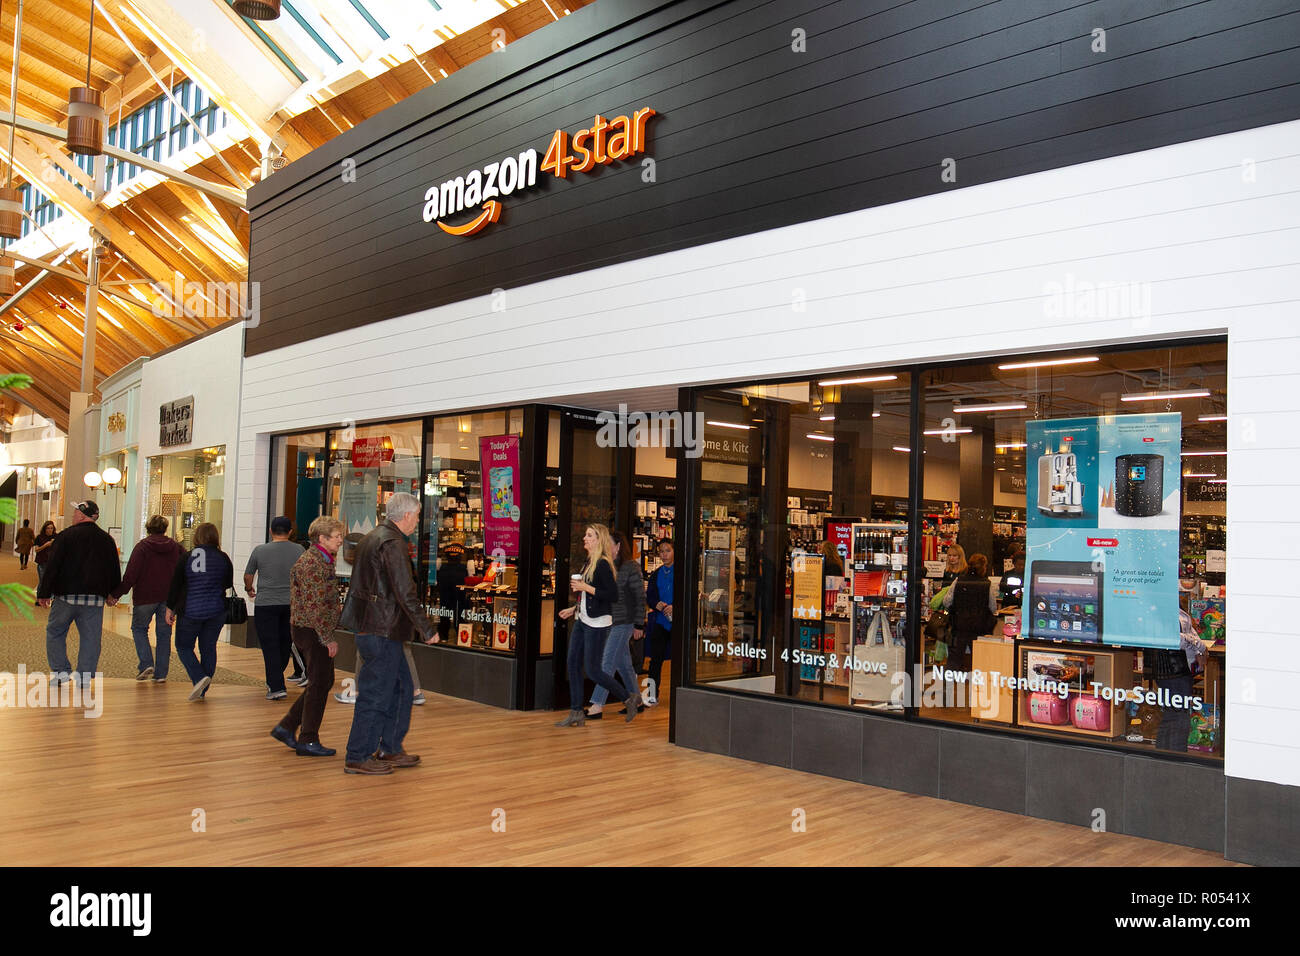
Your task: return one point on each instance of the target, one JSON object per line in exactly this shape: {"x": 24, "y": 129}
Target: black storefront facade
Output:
{"x": 830, "y": 192}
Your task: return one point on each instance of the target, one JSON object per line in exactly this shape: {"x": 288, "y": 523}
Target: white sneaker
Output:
{"x": 199, "y": 688}
{"x": 345, "y": 698}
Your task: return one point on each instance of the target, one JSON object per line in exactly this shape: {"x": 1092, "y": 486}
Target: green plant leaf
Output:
{"x": 18, "y": 598}
{"x": 8, "y": 511}
{"x": 15, "y": 380}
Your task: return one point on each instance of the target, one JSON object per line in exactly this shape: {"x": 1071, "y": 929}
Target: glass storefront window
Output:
{"x": 298, "y": 464}
{"x": 368, "y": 464}
{"x": 1086, "y": 499}
{"x": 188, "y": 488}
{"x": 1072, "y": 528}
{"x": 471, "y": 544}
{"x": 804, "y": 491}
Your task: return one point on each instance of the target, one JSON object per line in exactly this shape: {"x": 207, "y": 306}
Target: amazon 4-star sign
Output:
{"x": 604, "y": 142}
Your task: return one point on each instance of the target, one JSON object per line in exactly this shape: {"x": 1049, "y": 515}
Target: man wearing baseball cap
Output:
{"x": 80, "y": 576}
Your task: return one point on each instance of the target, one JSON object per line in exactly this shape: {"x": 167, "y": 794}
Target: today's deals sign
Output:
{"x": 607, "y": 140}
{"x": 1103, "y": 502}
{"x": 499, "y": 455}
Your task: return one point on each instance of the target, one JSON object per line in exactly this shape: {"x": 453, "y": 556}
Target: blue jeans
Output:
{"x": 90, "y": 628}
{"x": 384, "y": 692}
{"x": 140, "y": 616}
{"x": 586, "y": 647}
{"x": 205, "y": 631}
{"x": 617, "y": 658}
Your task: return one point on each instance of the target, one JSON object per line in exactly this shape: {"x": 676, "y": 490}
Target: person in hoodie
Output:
{"x": 149, "y": 575}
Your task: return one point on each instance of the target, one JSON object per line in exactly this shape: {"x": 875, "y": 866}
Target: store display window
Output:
{"x": 188, "y": 488}
{"x": 298, "y": 465}
{"x": 368, "y": 464}
{"x": 1068, "y": 573}
{"x": 471, "y": 543}
{"x": 1082, "y": 496}
{"x": 803, "y": 526}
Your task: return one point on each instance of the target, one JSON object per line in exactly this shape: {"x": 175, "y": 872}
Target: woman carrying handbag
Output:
{"x": 198, "y": 600}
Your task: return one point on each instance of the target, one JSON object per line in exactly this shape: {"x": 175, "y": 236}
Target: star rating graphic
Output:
{"x": 805, "y": 611}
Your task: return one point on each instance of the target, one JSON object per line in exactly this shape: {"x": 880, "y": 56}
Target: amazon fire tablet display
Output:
{"x": 1065, "y": 601}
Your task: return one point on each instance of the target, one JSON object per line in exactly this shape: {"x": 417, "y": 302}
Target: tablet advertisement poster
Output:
{"x": 499, "y": 461}
{"x": 1103, "y": 499}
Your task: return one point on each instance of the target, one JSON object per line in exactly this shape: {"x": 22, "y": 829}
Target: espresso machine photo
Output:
{"x": 1060, "y": 492}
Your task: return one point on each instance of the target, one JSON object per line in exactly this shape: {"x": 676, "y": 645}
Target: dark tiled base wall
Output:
{"x": 486, "y": 678}
{"x": 1141, "y": 796}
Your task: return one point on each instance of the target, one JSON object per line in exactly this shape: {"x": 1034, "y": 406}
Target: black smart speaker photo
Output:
{"x": 1139, "y": 485}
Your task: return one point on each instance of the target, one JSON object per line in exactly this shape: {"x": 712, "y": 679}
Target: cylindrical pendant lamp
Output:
{"x": 86, "y": 121}
{"x": 257, "y": 9}
{"x": 11, "y": 213}
{"x": 8, "y": 284}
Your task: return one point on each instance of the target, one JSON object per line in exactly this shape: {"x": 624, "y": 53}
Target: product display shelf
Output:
{"x": 1110, "y": 667}
{"x": 877, "y": 576}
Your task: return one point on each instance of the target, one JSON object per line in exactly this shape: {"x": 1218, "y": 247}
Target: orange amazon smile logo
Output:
{"x": 490, "y": 214}
{"x": 606, "y": 140}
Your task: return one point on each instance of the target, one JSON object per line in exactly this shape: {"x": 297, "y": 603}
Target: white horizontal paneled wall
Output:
{"x": 1210, "y": 230}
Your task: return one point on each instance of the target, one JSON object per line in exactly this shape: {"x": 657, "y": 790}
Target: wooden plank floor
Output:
{"x": 122, "y": 790}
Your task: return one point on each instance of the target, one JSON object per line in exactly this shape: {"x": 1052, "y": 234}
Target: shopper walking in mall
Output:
{"x": 197, "y": 600}
{"x": 659, "y": 598}
{"x": 44, "y": 542}
{"x": 148, "y": 577}
{"x": 82, "y": 571}
{"x": 629, "y": 624}
{"x": 972, "y": 610}
{"x": 270, "y": 564}
{"x": 384, "y": 610}
{"x": 314, "y": 614}
{"x": 24, "y": 541}
{"x": 597, "y": 588}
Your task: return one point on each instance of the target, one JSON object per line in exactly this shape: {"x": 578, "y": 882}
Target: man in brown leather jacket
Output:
{"x": 383, "y": 609}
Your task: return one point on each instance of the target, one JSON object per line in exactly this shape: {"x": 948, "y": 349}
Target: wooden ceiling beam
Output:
{"x": 52, "y": 38}
{"x": 126, "y": 89}
{"x": 191, "y": 246}
{"x": 203, "y": 209}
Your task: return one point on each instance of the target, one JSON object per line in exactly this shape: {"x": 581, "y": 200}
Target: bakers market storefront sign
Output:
{"x": 176, "y": 422}
{"x": 606, "y": 140}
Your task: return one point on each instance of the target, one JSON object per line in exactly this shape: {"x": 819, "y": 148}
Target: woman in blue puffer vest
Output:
{"x": 198, "y": 599}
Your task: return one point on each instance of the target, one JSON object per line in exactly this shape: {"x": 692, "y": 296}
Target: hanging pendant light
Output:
{"x": 86, "y": 116}
{"x": 8, "y": 284}
{"x": 257, "y": 9}
{"x": 11, "y": 200}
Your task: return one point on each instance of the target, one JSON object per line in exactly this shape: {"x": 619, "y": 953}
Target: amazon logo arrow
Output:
{"x": 490, "y": 214}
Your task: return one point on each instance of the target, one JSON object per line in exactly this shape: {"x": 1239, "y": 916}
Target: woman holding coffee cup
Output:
{"x": 597, "y": 591}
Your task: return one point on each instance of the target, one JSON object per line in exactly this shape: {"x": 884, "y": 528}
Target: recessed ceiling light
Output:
{"x": 1199, "y": 474}
{"x": 875, "y": 414}
{"x": 902, "y": 449}
{"x": 1005, "y": 407}
{"x": 1165, "y": 396}
{"x": 947, "y": 431}
{"x": 858, "y": 381}
{"x": 1217, "y": 481}
{"x": 1188, "y": 454}
{"x": 820, "y": 437}
{"x": 828, "y": 418}
{"x": 729, "y": 425}
{"x": 1042, "y": 363}
{"x": 1011, "y": 444}
{"x": 1212, "y": 418}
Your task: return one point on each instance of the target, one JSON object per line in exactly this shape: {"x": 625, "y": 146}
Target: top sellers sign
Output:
{"x": 605, "y": 141}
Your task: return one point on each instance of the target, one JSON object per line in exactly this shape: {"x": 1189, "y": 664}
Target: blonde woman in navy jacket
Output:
{"x": 598, "y": 593}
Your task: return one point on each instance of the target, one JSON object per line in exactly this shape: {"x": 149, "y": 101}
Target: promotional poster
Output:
{"x": 358, "y": 499}
{"x": 1103, "y": 503}
{"x": 499, "y": 460}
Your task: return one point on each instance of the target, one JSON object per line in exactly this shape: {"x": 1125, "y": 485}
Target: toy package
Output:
{"x": 1204, "y": 734}
{"x": 1207, "y": 615}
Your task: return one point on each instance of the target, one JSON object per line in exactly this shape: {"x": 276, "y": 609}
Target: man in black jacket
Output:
{"x": 79, "y": 579}
{"x": 384, "y": 609}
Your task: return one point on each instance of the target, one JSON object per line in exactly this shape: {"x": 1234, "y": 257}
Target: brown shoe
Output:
{"x": 370, "y": 766}
{"x": 402, "y": 759}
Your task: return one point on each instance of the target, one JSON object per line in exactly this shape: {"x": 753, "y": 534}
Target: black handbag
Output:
{"x": 236, "y": 609}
